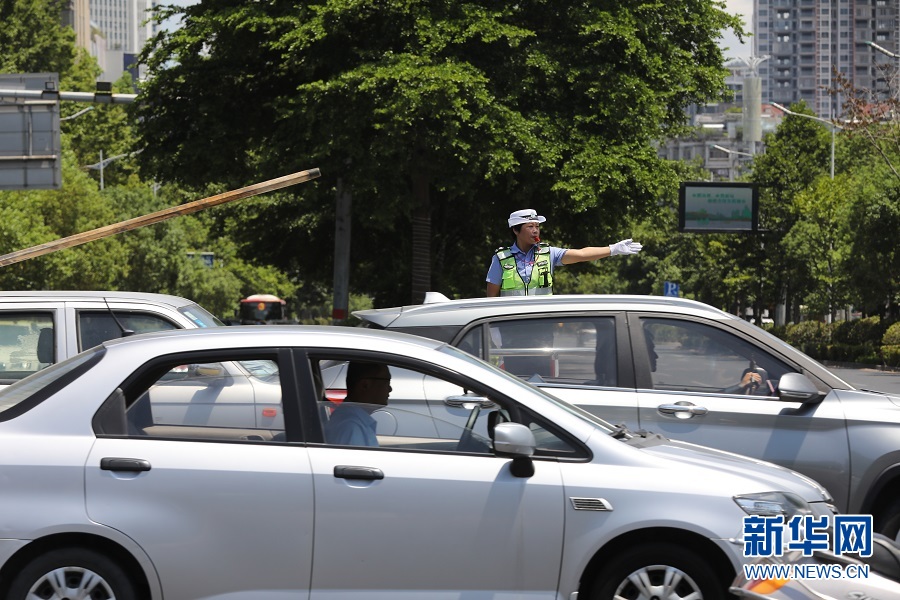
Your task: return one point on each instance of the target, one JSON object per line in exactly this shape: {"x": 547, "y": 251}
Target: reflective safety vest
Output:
{"x": 512, "y": 284}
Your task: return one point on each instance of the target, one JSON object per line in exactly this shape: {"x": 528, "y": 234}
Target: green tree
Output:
{"x": 165, "y": 257}
{"x": 873, "y": 263}
{"x": 38, "y": 216}
{"x": 797, "y": 154}
{"x": 820, "y": 241}
{"x": 441, "y": 118}
{"x": 104, "y": 128}
{"x": 33, "y": 38}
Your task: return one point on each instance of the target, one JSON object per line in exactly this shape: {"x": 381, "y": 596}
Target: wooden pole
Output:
{"x": 156, "y": 217}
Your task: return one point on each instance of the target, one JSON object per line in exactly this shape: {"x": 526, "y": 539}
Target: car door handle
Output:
{"x": 350, "y": 472}
{"x": 682, "y": 408}
{"x": 468, "y": 402}
{"x": 134, "y": 465}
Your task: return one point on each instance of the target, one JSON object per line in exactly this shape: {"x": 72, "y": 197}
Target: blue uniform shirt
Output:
{"x": 351, "y": 425}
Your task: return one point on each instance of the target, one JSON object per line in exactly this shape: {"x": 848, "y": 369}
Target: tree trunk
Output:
{"x": 421, "y": 236}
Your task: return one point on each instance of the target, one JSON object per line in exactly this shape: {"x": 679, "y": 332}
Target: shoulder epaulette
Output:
{"x": 503, "y": 252}
{"x": 543, "y": 248}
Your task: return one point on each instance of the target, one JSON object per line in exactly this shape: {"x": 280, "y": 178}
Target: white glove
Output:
{"x": 624, "y": 247}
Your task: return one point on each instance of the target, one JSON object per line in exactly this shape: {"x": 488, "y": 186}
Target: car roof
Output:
{"x": 273, "y": 336}
{"x": 461, "y": 312}
{"x": 82, "y": 295}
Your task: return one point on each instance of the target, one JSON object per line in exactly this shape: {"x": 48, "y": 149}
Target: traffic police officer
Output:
{"x": 526, "y": 267}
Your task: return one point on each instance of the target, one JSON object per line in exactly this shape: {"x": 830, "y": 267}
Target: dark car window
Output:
{"x": 472, "y": 342}
{"x": 578, "y": 350}
{"x": 689, "y": 356}
{"x": 96, "y": 327}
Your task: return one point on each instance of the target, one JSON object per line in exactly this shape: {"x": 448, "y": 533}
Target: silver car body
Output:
{"x": 39, "y": 328}
{"x": 272, "y": 512}
{"x": 846, "y": 439}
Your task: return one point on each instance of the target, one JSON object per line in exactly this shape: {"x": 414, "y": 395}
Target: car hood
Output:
{"x": 780, "y": 478}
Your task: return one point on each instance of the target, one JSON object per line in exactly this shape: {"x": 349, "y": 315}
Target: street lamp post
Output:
{"x": 78, "y": 114}
{"x": 731, "y": 153}
{"x": 883, "y": 50}
{"x": 105, "y": 161}
{"x": 831, "y": 124}
{"x": 895, "y": 82}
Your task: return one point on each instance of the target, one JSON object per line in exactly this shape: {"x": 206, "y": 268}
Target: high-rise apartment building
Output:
{"x": 806, "y": 40}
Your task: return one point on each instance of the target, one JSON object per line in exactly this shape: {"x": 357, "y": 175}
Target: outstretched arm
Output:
{"x": 589, "y": 253}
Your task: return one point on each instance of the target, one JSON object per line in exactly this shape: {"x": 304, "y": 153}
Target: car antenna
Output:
{"x": 125, "y": 332}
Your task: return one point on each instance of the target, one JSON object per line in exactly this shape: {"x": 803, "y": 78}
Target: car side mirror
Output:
{"x": 795, "y": 387}
{"x": 207, "y": 370}
{"x": 514, "y": 440}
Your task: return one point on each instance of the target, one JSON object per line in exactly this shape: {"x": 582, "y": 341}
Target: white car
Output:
{"x": 109, "y": 493}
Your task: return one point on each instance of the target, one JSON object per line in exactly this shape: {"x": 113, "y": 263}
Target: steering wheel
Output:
{"x": 754, "y": 384}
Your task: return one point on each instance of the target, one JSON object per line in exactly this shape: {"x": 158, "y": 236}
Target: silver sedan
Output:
{"x": 149, "y": 467}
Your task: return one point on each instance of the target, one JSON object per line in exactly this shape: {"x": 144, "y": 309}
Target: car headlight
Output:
{"x": 771, "y": 504}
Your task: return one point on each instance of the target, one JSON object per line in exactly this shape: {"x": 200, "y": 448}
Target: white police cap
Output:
{"x": 526, "y": 215}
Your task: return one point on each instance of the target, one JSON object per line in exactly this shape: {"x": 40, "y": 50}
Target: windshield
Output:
{"x": 583, "y": 414}
{"x": 43, "y": 380}
{"x": 200, "y": 317}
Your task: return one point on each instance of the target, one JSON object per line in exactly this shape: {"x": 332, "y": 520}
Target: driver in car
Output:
{"x": 754, "y": 380}
{"x": 368, "y": 388}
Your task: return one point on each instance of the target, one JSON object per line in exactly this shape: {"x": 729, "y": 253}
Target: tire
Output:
{"x": 888, "y": 521}
{"x": 661, "y": 571}
{"x": 72, "y": 573}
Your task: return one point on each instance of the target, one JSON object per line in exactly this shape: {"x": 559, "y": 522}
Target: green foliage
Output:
{"x": 811, "y": 337}
{"x": 870, "y": 330}
{"x": 322, "y": 314}
{"x": 33, "y": 38}
{"x": 820, "y": 240}
{"x": 890, "y": 355}
{"x": 432, "y": 113}
{"x": 149, "y": 259}
{"x": 892, "y": 335}
{"x": 871, "y": 340}
{"x": 874, "y": 219}
{"x": 35, "y": 217}
{"x": 797, "y": 154}
{"x": 105, "y": 128}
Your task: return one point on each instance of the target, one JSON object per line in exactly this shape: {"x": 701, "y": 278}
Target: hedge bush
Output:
{"x": 890, "y": 346}
{"x": 892, "y": 335}
{"x": 810, "y": 337}
{"x": 859, "y": 332}
{"x": 870, "y": 340}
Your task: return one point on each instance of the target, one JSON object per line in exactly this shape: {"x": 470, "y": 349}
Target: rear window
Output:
{"x": 200, "y": 317}
{"x": 31, "y": 391}
{"x": 96, "y": 327}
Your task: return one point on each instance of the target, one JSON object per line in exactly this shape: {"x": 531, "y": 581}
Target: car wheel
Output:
{"x": 72, "y": 573}
{"x": 659, "y": 571}
{"x": 888, "y": 520}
